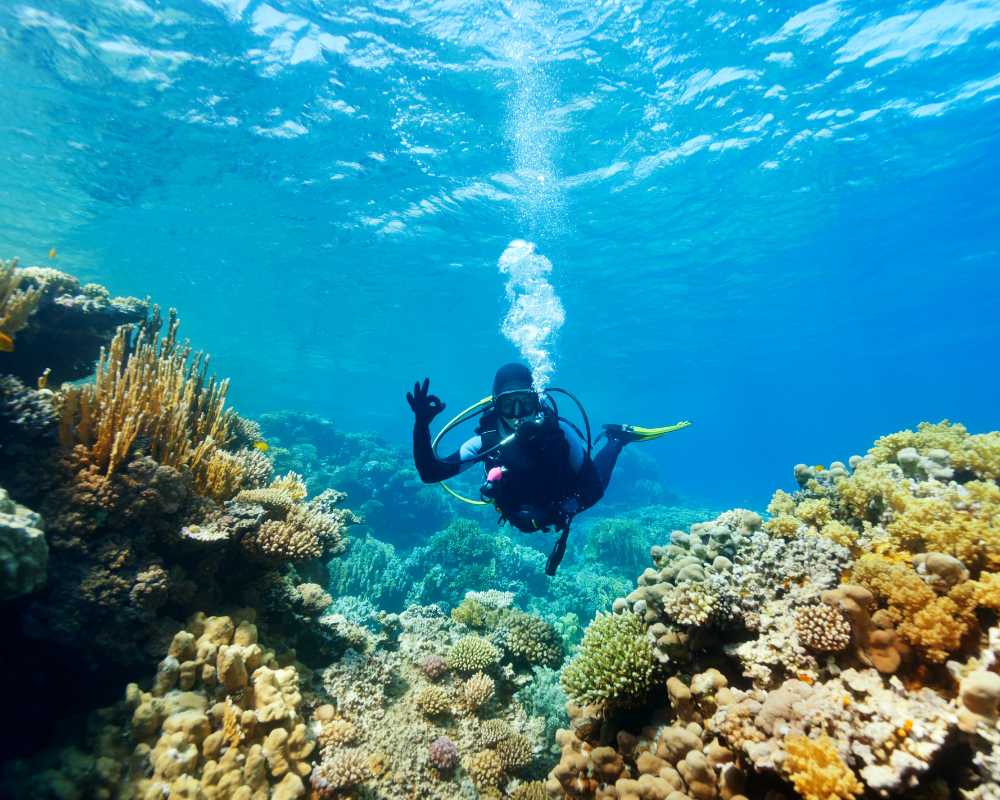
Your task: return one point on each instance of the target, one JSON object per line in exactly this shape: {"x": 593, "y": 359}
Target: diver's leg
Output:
{"x": 604, "y": 461}
{"x": 597, "y": 473}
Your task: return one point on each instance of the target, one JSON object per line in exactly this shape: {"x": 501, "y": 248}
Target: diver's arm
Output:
{"x": 431, "y": 468}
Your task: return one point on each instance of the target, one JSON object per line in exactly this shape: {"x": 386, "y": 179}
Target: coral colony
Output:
{"x": 194, "y": 589}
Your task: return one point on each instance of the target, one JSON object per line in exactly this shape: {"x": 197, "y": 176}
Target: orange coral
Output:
{"x": 817, "y": 771}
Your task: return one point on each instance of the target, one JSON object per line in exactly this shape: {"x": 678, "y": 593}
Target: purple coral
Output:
{"x": 443, "y": 753}
{"x": 433, "y": 667}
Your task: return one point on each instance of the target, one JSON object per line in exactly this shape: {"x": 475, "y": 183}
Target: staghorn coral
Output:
{"x": 816, "y": 770}
{"x": 530, "y": 640}
{"x": 615, "y": 663}
{"x": 532, "y": 790}
{"x": 514, "y": 751}
{"x": 494, "y": 730}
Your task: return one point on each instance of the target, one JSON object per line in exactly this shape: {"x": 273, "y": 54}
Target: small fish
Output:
{"x": 819, "y": 468}
{"x": 6, "y": 343}
{"x": 52, "y": 253}
{"x": 262, "y": 446}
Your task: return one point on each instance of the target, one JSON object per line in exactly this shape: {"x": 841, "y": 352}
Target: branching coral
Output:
{"x": 153, "y": 391}
{"x": 472, "y": 654}
{"x": 615, "y": 663}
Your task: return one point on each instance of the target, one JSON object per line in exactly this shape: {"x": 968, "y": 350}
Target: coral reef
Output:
{"x": 222, "y": 719}
{"x": 822, "y": 648}
{"x": 379, "y": 478}
{"x": 428, "y": 729}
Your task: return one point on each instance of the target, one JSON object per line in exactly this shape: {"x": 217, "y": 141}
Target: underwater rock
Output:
{"x": 24, "y": 553}
{"x": 69, "y": 326}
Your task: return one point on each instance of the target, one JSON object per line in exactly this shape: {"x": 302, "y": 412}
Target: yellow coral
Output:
{"x": 814, "y": 512}
{"x": 870, "y": 490}
{"x": 963, "y": 522}
{"x": 988, "y": 590}
{"x": 840, "y": 533}
{"x": 937, "y": 629}
{"x": 291, "y": 484}
{"x": 896, "y": 584}
{"x": 817, "y": 771}
{"x": 221, "y": 477}
{"x": 928, "y": 436}
{"x": 977, "y": 453}
{"x": 783, "y": 525}
{"x": 781, "y": 503}
{"x": 16, "y": 304}
{"x": 982, "y": 455}
{"x": 152, "y": 391}
{"x": 936, "y": 625}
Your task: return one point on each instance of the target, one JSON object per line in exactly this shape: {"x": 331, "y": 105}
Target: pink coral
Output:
{"x": 443, "y": 753}
{"x": 433, "y": 667}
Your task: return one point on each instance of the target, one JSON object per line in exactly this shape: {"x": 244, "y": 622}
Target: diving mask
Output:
{"x": 517, "y": 405}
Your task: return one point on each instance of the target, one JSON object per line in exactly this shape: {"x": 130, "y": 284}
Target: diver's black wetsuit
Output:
{"x": 593, "y": 475}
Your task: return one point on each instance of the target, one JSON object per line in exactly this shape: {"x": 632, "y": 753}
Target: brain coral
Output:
{"x": 615, "y": 663}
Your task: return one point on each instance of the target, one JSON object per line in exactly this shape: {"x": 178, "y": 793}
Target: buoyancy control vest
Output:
{"x": 537, "y": 472}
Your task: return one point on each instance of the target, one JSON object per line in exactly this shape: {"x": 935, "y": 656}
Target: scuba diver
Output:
{"x": 539, "y": 467}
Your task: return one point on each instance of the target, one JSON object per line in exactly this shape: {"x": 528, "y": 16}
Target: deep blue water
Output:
{"x": 779, "y": 220}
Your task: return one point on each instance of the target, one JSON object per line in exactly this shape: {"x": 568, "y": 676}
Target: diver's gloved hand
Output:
{"x": 425, "y": 406}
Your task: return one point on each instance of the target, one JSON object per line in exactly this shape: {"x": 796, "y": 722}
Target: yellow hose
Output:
{"x": 455, "y": 421}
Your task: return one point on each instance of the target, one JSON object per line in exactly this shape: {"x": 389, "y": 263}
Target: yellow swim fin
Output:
{"x": 635, "y": 433}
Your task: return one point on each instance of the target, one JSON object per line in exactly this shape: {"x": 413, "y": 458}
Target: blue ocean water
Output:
{"x": 781, "y": 221}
